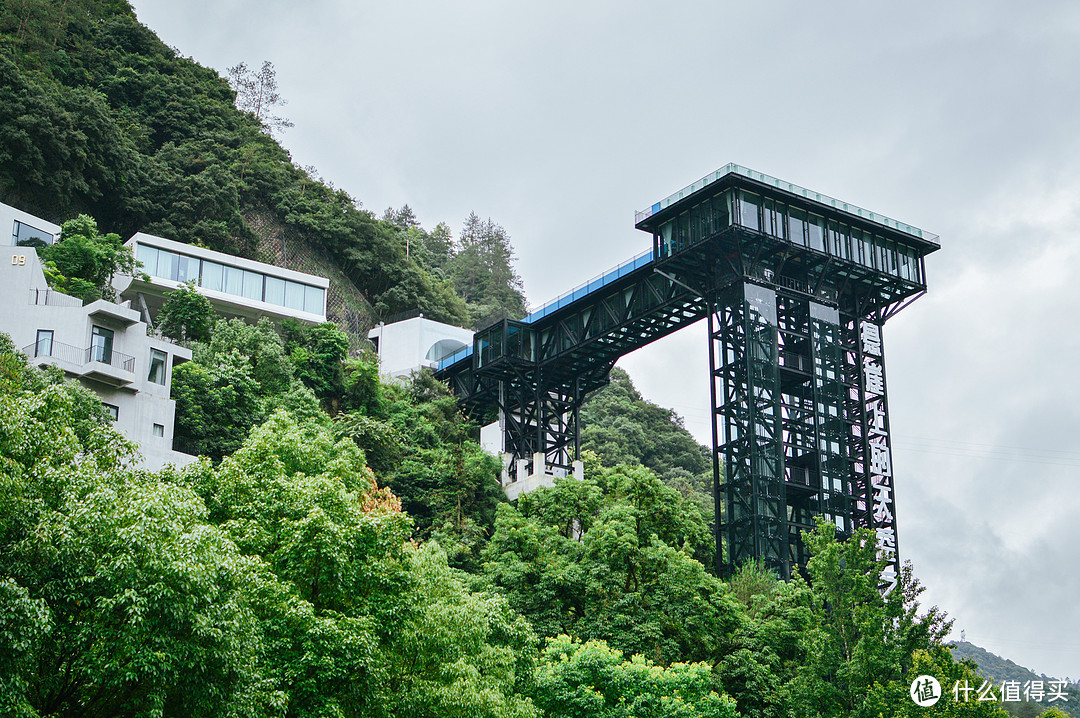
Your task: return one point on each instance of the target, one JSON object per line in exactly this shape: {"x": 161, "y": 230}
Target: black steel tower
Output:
{"x": 795, "y": 287}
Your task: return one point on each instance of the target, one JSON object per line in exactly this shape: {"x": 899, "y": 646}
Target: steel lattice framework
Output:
{"x": 795, "y": 287}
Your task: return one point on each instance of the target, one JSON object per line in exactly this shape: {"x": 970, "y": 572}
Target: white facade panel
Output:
{"x": 103, "y": 345}
{"x": 411, "y": 344}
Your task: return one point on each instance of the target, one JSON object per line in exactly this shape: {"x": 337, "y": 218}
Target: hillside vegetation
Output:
{"x": 98, "y": 116}
{"x": 343, "y": 548}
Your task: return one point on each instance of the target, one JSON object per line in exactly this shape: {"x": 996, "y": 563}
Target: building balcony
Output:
{"x": 96, "y": 363}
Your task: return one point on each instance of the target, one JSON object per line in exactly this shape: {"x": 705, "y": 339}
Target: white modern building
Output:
{"x": 412, "y": 344}
{"x": 103, "y": 345}
{"x": 26, "y": 229}
{"x": 236, "y": 287}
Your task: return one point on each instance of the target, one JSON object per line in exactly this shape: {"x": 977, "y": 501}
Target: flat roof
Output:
{"x": 233, "y": 261}
{"x": 732, "y": 168}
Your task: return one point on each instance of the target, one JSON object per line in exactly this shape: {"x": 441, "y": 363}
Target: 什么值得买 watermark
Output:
{"x": 926, "y": 691}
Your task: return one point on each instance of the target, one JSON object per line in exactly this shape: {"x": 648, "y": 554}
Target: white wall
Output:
{"x": 404, "y": 346}
{"x": 32, "y": 306}
{"x": 8, "y": 216}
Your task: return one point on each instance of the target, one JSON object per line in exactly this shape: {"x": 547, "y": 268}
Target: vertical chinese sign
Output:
{"x": 878, "y": 453}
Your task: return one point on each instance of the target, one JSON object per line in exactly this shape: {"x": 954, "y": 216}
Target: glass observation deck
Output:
{"x": 732, "y": 168}
{"x": 848, "y": 234}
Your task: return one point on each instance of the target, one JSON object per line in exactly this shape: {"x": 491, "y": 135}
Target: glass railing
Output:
{"x": 600, "y": 280}
{"x": 733, "y": 168}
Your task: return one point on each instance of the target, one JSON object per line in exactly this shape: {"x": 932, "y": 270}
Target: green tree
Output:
{"x": 318, "y": 354}
{"x": 362, "y": 623}
{"x": 590, "y": 680}
{"x": 186, "y": 314}
{"x": 233, "y": 383}
{"x": 611, "y": 557}
{"x": 483, "y": 271}
{"x": 862, "y": 649}
{"x": 256, "y": 92}
{"x": 118, "y": 599}
{"x": 84, "y": 262}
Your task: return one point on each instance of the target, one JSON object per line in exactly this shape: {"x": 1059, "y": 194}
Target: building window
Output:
{"x": 44, "y": 343}
{"x": 159, "y": 430}
{"x": 158, "y": 366}
{"x": 23, "y": 235}
{"x": 101, "y": 345}
{"x": 114, "y": 410}
{"x": 232, "y": 280}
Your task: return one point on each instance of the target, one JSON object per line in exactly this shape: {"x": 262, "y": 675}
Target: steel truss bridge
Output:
{"x": 795, "y": 287}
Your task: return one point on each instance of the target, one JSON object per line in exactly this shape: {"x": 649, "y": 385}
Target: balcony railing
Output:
{"x": 78, "y": 356}
{"x": 53, "y": 298}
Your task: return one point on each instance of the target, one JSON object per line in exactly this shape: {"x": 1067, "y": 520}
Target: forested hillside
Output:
{"x": 343, "y": 548}
{"x": 98, "y": 116}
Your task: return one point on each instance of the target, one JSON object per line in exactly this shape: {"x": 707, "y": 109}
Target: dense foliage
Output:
{"x": 623, "y": 428}
{"x": 344, "y": 548}
{"x": 83, "y": 262}
{"x": 283, "y": 581}
{"x": 98, "y": 116}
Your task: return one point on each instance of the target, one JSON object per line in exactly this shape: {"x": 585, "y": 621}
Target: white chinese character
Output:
{"x": 882, "y": 514}
{"x": 1010, "y": 691}
{"x": 871, "y": 338}
{"x": 957, "y": 690}
{"x": 886, "y": 538}
{"x": 872, "y": 375}
{"x": 877, "y": 418}
{"x": 879, "y": 458}
{"x": 882, "y": 490}
{"x": 1056, "y": 691}
{"x": 889, "y": 578}
{"x": 1034, "y": 691}
{"x": 986, "y": 692}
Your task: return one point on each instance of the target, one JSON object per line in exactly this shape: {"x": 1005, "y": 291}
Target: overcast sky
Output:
{"x": 560, "y": 119}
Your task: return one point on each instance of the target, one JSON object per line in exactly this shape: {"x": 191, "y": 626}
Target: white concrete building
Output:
{"x": 236, "y": 287}
{"x": 103, "y": 345}
{"x": 411, "y": 344}
{"x": 26, "y": 229}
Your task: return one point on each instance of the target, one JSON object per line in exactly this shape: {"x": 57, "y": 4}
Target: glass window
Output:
{"x": 275, "y": 291}
{"x": 695, "y": 223}
{"x": 23, "y": 235}
{"x": 168, "y": 265}
{"x": 159, "y": 430}
{"x": 187, "y": 269}
{"x": 114, "y": 411}
{"x": 313, "y": 300}
{"x": 294, "y": 295}
{"x": 253, "y": 285}
{"x": 815, "y": 227}
{"x": 684, "y": 229}
{"x": 749, "y": 204}
{"x": 213, "y": 276}
{"x": 667, "y": 230}
{"x": 775, "y": 219}
{"x": 158, "y": 366}
{"x": 44, "y": 343}
{"x": 149, "y": 258}
{"x": 882, "y": 253}
{"x": 234, "y": 281}
{"x": 721, "y": 214}
{"x": 101, "y": 344}
{"x": 797, "y": 226}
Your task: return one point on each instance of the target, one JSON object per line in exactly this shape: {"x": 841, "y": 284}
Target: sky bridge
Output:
{"x": 795, "y": 287}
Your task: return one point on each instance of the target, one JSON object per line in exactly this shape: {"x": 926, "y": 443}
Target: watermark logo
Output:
{"x": 925, "y": 691}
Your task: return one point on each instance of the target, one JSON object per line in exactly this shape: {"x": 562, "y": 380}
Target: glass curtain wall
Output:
{"x": 232, "y": 280}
